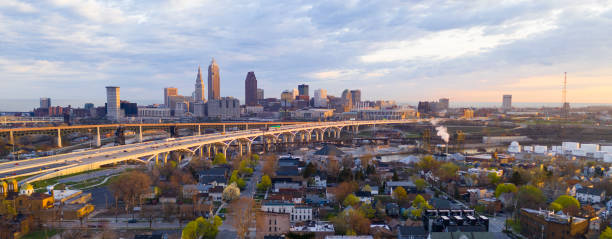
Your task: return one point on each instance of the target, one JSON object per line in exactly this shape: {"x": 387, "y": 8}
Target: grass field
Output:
{"x": 40, "y": 234}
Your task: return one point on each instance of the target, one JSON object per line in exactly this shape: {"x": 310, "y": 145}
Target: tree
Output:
{"x": 367, "y": 210}
{"x": 270, "y": 164}
{"x": 130, "y": 187}
{"x": 428, "y": 163}
{"x": 219, "y": 159}
{"x": 420, "y": 204}
{"x": 606, "y": 234}
{"x": 568, "y": 204}
{"x": 351, "y": 221}
{"x": 530, "y": 197}
{"x": 350, "y": 200}
{"x": 505, "y": 188}
{"x": 310, "y": 170}
{"x": 237, "y": 179}
{"x": 344, "y": 189}
{"x": 244, "y": 168}
{"x": 400, "y": 195}
{"x": 202, "y": 228}
{"x": 255, "y": 158}
{"x": 367, "y": 188}
{"x": 265, "y": 183}
{"x": 448, "y": 171}
{"x": 243, "y": 214}
{"x": 493, "y": 178}
{"x": 516, "y": 178}
{"x": 555, "y": 207}
{"x": 420, "y": 184}
{"x": 231, "y": 192}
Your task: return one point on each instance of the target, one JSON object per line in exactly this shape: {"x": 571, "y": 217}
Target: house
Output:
{"x": 407, "y": 185}
{"x": 156, "y": 236}
{"x": 412, "y": 232}
{"x": 392, "y": 209}
{"x": 609, "y": 206}
{"x": 320, "y": 181}
{"x": 590, "y": 195}
{"x": 467, "y": 235}
{"x": 216, "y": 193}
{"x": 319, "y": 229}
{"x": 272, "y": 224}
{"x": 557, "y": 226}
{"x": 189, "y": 190}
{"x": 298, "y": 212}
{"x": 364, "y": 196}
{"x": 217, "y": 175}
{"x": 573, "y": 189}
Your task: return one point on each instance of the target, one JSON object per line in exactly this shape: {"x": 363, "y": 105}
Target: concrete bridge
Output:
{"x": 158, "y": 151}
{"x": 98, "y": 131}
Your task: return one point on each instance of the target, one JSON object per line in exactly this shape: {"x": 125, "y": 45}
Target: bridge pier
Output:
{"x": 215, "y": 151}
{"x": 59, "y": 138}
{"x": 140, "y": 134}
{"x": 201, "y": 152}
{"x": 225, "y": 151}
{"x": 240, "y": 147}
{"x": 223, "y": 128}
{"x": 199, "y": 130}
{"x": 11, "y": 138}
{"x": 156, "y": 159}
{"x": 208, "y": 150}
{"x": 98, "y": 140}
{"x": 249, "y": 144}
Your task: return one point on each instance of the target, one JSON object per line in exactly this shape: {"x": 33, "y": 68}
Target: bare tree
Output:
{"x": 130, "y": 186}
{"x": 243, "y": 215}
{"x": 270, "y": 163}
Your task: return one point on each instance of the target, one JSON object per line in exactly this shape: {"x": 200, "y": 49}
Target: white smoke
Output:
{"x": 443, "y": 133}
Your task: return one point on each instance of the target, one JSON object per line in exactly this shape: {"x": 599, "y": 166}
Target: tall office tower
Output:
{"x": 169, "y": 91}
{"x": 250, "y": 89}
{"x": 507, "y": 103}
{"x": 295, "y": 93}
{"x": 303, "y": 90}
{"x": 45, "y": 103}
{"x": 214, "y": 90}
{"x": 356, "y": 97}
{"x": 199, "y": 88}
{"x": 347, "y": 100}
{"x": 443, "y": 104}
{"x": 113, "y": 103}
{"x": 260, "y": 94}
{"x": 320, "y": 98}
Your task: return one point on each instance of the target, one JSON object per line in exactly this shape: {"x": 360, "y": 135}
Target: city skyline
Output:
{"x": 405, "y": 56}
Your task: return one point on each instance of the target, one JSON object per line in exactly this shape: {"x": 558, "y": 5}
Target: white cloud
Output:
{"x": 454, "y": 43}
{"x": 19, "y": 6}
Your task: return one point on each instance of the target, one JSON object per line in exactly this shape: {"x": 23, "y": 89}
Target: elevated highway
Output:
{"x": 158, "y": 151}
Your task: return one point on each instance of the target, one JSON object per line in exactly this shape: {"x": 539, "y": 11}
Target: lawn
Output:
{"x": 40, "y": 234}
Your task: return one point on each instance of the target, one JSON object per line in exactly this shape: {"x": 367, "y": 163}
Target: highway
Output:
{"x": 58, "y": 165}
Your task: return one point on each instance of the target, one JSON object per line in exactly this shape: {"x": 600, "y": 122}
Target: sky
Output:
{"x": 469, "y": 51}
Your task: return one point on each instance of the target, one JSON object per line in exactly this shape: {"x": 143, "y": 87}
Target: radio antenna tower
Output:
{"x": 565, "y": 107}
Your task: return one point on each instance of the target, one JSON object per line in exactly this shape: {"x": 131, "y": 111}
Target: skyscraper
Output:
{"x": 303, "y": 90}
{"x": 347, "y": 100}
{"x": 199, "y": 87}
{"x": 443, "y": 104}
{"x": 250, "y": 89}
{"x": 356, "y": 97}
{"x": 507, "y": 103}
{"x": 45, "y": 103}
{"x": 169, "y": 91}
{"x": 214, "y": 90}
{"x": 113, "y": 103}
{"x": 320, "y": 98}
{"x": 260, "y": 94}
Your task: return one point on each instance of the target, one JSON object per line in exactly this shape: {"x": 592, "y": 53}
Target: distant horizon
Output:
{"x": 28, "y": 104}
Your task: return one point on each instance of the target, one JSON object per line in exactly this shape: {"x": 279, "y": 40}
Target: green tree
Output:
{"x": 448, "y": 171}
{"x": 219, "y": 159}
{"x": 420, "y": 204}
{"x": 493, "y": 178}
{"x": 567, "y": 201}
{"x": 367, "y": 188}
{"x": 420, "y": 184}
{"x": 202, "y": 228}
{"x": 606, "y": 234}
{"x": 505, "y": 188}
{"x": 367, "y": 210}
{"x": 265, "y": 183}
{"x": 530, "y": 197}
{"x": 400, "y": 194}
{"x": 428, "y": 163}
{"x": 555, "y": 207}
{"x": 244, "y": 167}
{"x": 350, "y": 200}
{"x": 255, "y": 158}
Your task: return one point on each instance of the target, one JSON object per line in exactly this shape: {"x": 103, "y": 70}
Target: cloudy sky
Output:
{"x": 470, "y": 51}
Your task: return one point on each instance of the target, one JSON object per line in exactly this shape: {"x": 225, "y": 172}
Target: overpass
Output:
{"x": 10, "y": 134}
{"x": 158, "y": 151}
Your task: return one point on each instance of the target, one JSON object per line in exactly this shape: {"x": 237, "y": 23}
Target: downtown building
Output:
{"x": 250, "y": 90}
{"x": 214, "y": 81}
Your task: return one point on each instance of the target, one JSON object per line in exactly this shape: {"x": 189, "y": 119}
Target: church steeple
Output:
{"x": 199, "y": 87}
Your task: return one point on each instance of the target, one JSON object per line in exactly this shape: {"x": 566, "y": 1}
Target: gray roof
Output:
{"x": 591, "y": 191}
{"x": 329, "y": 150}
